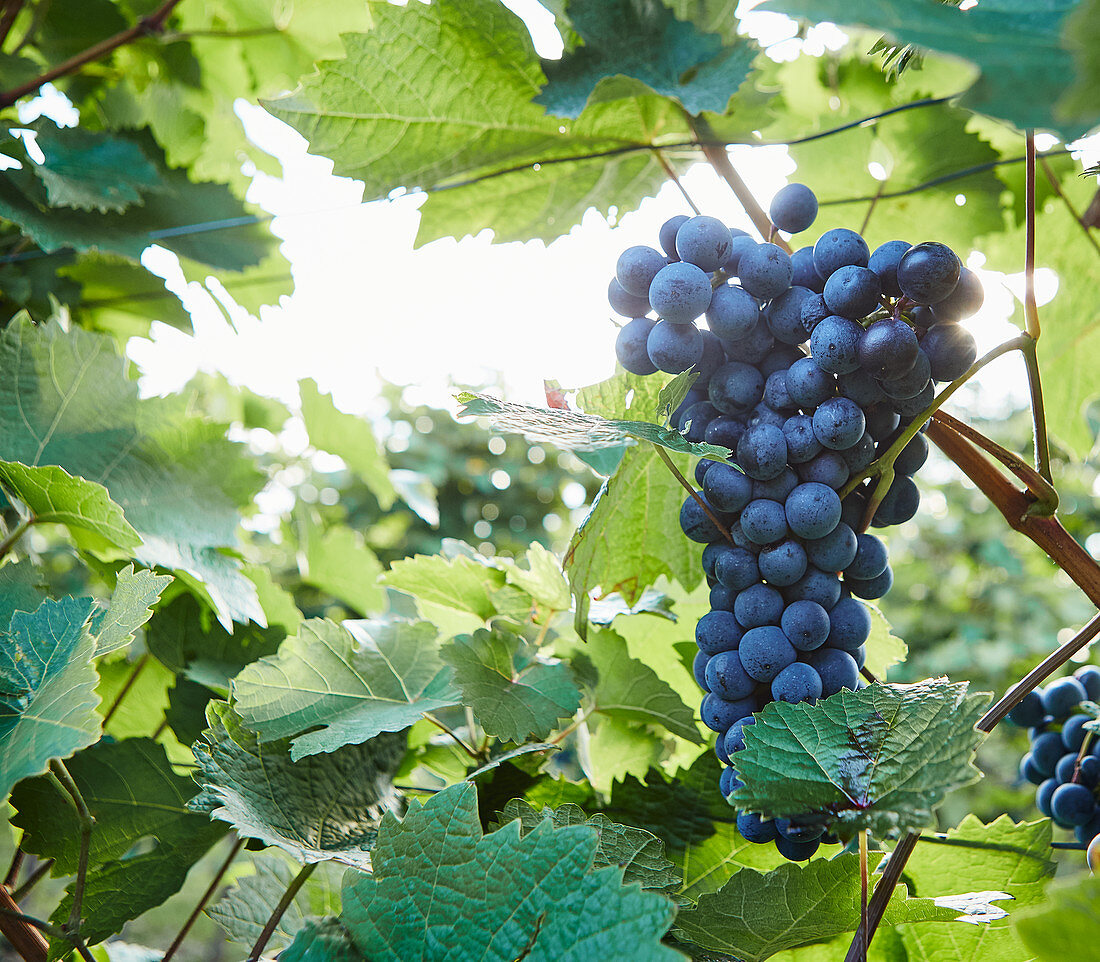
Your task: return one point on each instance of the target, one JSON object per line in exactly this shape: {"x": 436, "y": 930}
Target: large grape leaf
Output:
{"x": 441, "y": 886}
{"x": 630, "y": 49}
{"x": 349, "y": 437}
{"x": 187, "y": 641}
{"x": 339, "y": 563}
{"x": 755, "y": 915}
{"x": 342, "y": 693}
{"x": 575, "y": 431}
{"x": 1063, "y": 927}
{"x": 627, "y": 688}
{"x": 52, "y": 495}
{"x": 92, "y": 170}
{"x": 1003, "y": 857}
{"x": 133, "y": 795}
{"x": 460, "y": 584}
{"x": 640, "y": 853}
{"x": 388, "y": 134}
{"x": 47, "y": 688}
{"x": 130, "y": 607}
{"x": 1024, "y": 57}
{"x": 19, "y": 589}
{"x": 514, "y": 694}
{"x": 322, "y": 940}
{"x": 120, "y": 297}
{"x": 244, "y": 910}
{"x": 880, "y": 758}
{"x": 884, "y": 648}
{"x": 1071, "y": 321}
{"x": 318, "y": 808}
{"x": 542, "y": 577}
{"x": 66, "y": 400}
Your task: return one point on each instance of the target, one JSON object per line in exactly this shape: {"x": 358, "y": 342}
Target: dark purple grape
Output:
{"x": 782, "y": 564}
{"x": 626, "y": 304}
{"x": 928, "y": 272}
{"x": 784, "y": 315}
{"x": 966, "y": 299}
{"x": 852, "y": 291}
{"x": 837, "y": 248}
{"x": 736, "y": 387}
{"x": 837, "y": 669}
{"x": 888, "y": 348}
{"x": 703, "y": 241}
{"x": 680, "y": 293}
{"x": 765, "y": 271}
{"x": 793, "y": 208}
{"x": 951, "y": 351}
{"x": 765, "y": 652}
{"x": 694, "y": 521}
{"x": 718, "y": 631}
{"x": 839, "y": 423}
{"x": 849, "y": 624}
{"x": 674, "y": 348}
{"x": 803, "y": 272}
{"x": 806, "y": 625}
{"x": 764, "y": 522}
{"x": 630, "y": 346}
{"x": 884, "y": 261}
{"x": 733, "y": 312}
{"x": 636, "y": 268}
{"x": 667, "y": 234}
{"x": 797, "y": 683}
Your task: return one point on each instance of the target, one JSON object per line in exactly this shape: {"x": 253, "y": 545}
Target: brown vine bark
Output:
{"x": 24, "y": 938}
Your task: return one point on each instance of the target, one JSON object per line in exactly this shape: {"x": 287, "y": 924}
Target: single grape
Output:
{"x": 762, "y": 451}
{"x": 735, "y": 737}
{"x": 966, "y": 299}
{"x": 839, "y": 423}
{"x": 727, "y": 488}
{"x": 837, "y": 248}
{"x": 667, "y": 234}
{"x": 783, "y": 564}
{"x": 1073, "y": 804}
{"x": 834, "y": 551}
{"x": 888, "y": 348}
{"x": 834, "y": 344}
{"x": 626, "y": 304}
{"x": 813, "y": 510}
{"x": 870, "y": 560}
{"x": 721, "y": 598}
{"x": 911, "y": 383}
{"x": 1062, "y": 696}
{"x": 703, "y": 241}
{"x": 726, "y": 781}
{"x": 806, "y": 625}
{"x": 717, "y": 631}
{"x": 674, "y": 348}
{"x": 718, "y": 714}
{"x": 814, "y": 311}
{"x": 860, "y": 454}
{"x": 837, "y": 669}
{"x": 852, "y": 291}
{"x": 884, "y": 261}
{"x": 803, "y": 272}
{"x": 1046, "y": 750}
{"x": 815, "y": 585}
{"x": 1029, "y": 711}
{"x": 753, "y": 829}
{"x": 630, "y": 346}
{"x": 951, "y": 351}
{"x": 736, "y": 388}
{"x": 807, "y": 384}
{"x": 849, "y": 624}
{"x": 732, "y": 313}
{"x": 680, "y": 293}
{"x": 796, "y": 851}
{"x": 860, "y": 386}
{"x": 736, "y": 568}
{"x": 928, "y": 273}
{"x": 1089, "y": 676}
{"x": 636, "y": 268}
{"x": 872, "y": 588}
{"x": 694, "y": 520}
{"x": 699, "y": 669}
{"x": 725, "y": 430}
{"x": 793, "y": 208}
{"x": 1043, "y": 794}
{"x": 797, "y": 683}
{"x": 828, "y": 468}
{"x": 912, "y": 457}
{"x": 776, "y": 395}
{"x": 765, "y": 652}
{"x": 740, "y": 244}
{"x": 727, "y": 679}
{"x": 784, "y": 315}
{"x": 900, "y": 504}
{"x": 754, "y": 347}
{"x": 802, "y": 443}
{"x": 1031, "y": 772}
{"x": 913, "y": 406}
{"x": 881, "y": 420}
{"x": 765, "y": 271}
{"x": 758, "y": 605}
{"x": 764, "y": 522}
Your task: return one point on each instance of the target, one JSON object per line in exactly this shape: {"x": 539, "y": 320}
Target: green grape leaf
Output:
{"x": 349, "y": 437}
{"x": 322, "y": 807}
{"x": 514, "y": 694}
{"x": 130, "y": 608}
{"x": 460, "y": 584}
{"x": 186, "y": 640}
{"x": 1064, "y": 926}
{"x": 244, "y": 910}
{"x": 884, "y": 648}
{"x": 631, "y": 535}
{"x": 631, "y": 49}
{"x": 1026, "y": 65}
{"x": 755, "y": 915}
{"x": 19, "y": 589}
{"x": 340, "y": 564}
{"x": 322, "y": 940}
{"x": 120, "y": 297}
{"x": 640, "y": 854}
{"x": 1001, "y": 857}
{"x": 440, "y": 884}
{"x": 881, "y": 758}
{"x": 629, "y": 689}
{"x": 617, "y": 748}
{"x": 542, "y": 578}
{"x": 133, "y": 795}
{"x": 52, "y": 495}
{"x": 342, "y": 690}
{"x": 574, "y": 431}
{"x": 47, "y": 688}
{"x": 1082, "y": 39}
{"x": 670, "y": 396}
{"x": 67, "y": 401}
{"x": 92, "y": 170}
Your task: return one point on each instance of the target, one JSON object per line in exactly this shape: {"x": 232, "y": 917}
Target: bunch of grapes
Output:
{"x": 1064, "y": 760}
{"x": 787, "y": 621}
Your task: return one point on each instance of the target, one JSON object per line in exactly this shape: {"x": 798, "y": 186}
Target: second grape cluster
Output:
{"x": 811, "y": 365}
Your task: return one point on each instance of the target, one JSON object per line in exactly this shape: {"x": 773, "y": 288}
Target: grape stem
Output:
{"x": 886, "y": 460}
{"x": 206, "y": 897}
{"x": 719, "y": 159}
{"x": 63, "y": 781}
{"x": 672, "y": 175}
{"x": 461, "y": 744}
{"x": 13, "y": 537}
{"x": 139, "y": 666}
{"x": 1031, "y": 320}
{"x": 695, "y": 494}
{"x": 284, "y": 903}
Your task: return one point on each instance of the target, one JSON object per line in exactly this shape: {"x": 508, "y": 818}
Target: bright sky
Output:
{"x": 367, "y": 305}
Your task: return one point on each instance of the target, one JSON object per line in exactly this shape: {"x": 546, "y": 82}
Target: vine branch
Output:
{"x": 60, "y": 776}
{"x": 21, "y": 930}
{"x": 206, "y": 897}
{"x": 663, "y": 454}
{"x": 139, "y": 665}
{"x": 461, "y": 744}
{"x": 1031, "y": 320}
{"x": 284, "y": 903}
{"x": 146, "y": 26}
{"x": 674, "y": 177}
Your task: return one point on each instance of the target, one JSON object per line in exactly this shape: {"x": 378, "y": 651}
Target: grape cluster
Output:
{"x": 787, "y": 621}
{"x": 1064, "y": 757}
